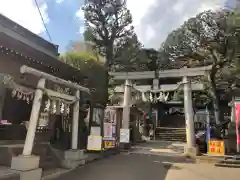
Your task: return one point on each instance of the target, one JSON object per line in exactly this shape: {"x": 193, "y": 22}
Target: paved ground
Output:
{"x": 162, "y": 164}
{"x": 122, "y": 167}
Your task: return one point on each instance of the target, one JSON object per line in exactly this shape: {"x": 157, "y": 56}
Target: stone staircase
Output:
{"x": 170, "y": 134}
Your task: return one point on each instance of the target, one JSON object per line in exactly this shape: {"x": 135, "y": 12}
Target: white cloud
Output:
{"x": 81, "y": 29}
{"x": 25, "y": 13}
{"x": 80, "y": 14}
{"x": 59, "y": 1}
{"x": 154, "y": 19}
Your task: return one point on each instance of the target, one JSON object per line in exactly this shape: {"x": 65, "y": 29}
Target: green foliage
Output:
{"x": 207, "y": 39}
{"x": 108, "y": 23}
{"x": 94, "y": 69}
{"x": 210, "y": 38}
{"x": 127, "y": 54}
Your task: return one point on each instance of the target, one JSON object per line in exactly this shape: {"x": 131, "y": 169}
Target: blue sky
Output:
{"x": 64, "y": 25}
{"x": 153, "y": 19}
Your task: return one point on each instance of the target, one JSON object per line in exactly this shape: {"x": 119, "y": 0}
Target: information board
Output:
{"x": 94, "y": 143}
{"x": 216, "y": 147}
{"x": 124, "y": 135}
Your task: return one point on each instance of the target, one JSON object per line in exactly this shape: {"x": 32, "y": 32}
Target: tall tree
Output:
{"x": 206, "y": 39}
{"x": 128, "y": 55}
{"x": 109, "y": 22}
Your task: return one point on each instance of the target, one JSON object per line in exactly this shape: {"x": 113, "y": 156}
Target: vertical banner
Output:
{"x": 237, "y": 110}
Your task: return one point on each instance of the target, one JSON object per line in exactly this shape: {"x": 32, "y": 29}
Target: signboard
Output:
{"x": 216, "y": 147}
{"x": 109, "y": 144}
{"x": 94, "y": 143}
{"x": 108, "y": 130}
{"x": 237, "y": 110}
{"x": 124, "y": 135}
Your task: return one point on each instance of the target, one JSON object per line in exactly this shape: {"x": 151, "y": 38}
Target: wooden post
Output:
{"x": 75, "y": 121}
{"x": 37, "y": 102}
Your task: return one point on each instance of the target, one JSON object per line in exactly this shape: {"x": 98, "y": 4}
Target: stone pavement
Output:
{"x": 143, "y": 167}
{"x": 164, "y": 148}
{"x": 151, "y": 160}
{"x": 122, "y": 166}
{"x": 201, "y": 171}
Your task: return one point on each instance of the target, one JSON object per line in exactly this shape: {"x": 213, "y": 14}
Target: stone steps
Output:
{"x": 230, "y": 163}
{"x": 171, "y": 134}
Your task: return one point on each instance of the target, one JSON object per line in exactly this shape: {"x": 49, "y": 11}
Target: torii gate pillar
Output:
{"x": 190, "y": 148}
{"x": 126, "y": 104}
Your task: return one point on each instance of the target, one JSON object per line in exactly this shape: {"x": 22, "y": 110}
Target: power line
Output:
{"x": 43, "y": 20}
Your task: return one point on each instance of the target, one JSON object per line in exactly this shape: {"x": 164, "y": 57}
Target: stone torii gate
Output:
{"x": 184, "y": 73}
{"x": 28, "y": 164}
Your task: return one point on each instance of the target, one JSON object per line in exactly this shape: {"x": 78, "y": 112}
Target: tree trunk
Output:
{"x": 215, "y": 101}
{"x": 107, "y": 64}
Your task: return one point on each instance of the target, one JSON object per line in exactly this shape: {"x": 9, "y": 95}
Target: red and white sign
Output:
{"x": 237, "y": 110}
{"x": 108, "y": 130}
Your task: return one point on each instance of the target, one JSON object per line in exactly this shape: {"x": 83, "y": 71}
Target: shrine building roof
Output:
{"x": 32, "y": 50}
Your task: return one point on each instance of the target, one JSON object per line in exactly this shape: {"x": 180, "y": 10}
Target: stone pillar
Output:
{"x": 126, "y": 114}
{"x": 26, "y": 164}
{"x": 74, "y": 157}
{"x": 37, "y": 102}
{"x": 189, "y": 119}
{"x": 75, "y": 121}
{"x": 126, "y": 105}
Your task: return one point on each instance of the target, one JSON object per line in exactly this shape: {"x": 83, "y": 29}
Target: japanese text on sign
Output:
{"x": 109, "y": 144}
{"x": 216, "y": 147}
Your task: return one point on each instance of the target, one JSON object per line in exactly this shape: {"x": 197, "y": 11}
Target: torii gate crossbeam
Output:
{"x": 184, "y": 73}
